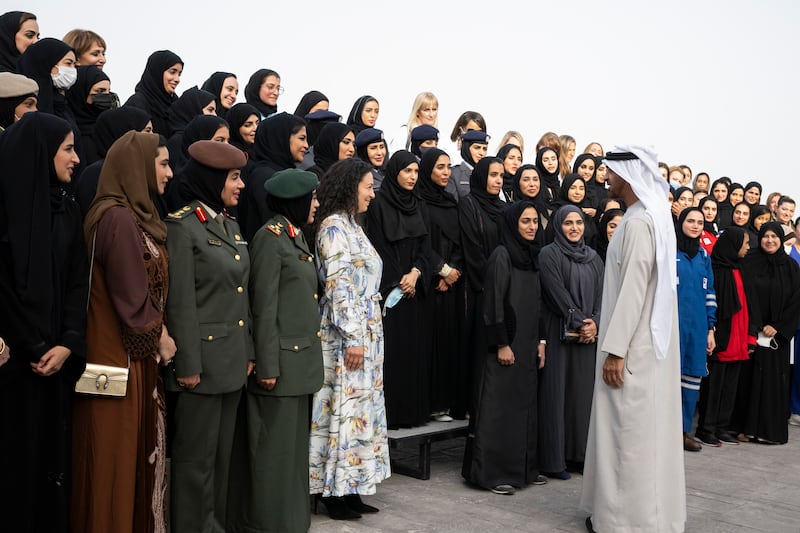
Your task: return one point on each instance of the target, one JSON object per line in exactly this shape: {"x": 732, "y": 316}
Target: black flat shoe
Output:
{"x": 589, "y": 527}
{"x": 354, "y": 502}
{"x": 338, "y": 509}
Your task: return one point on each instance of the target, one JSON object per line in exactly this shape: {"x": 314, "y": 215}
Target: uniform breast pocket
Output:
{"x": 295, "y": 344}
{"x": 212, "y": 332}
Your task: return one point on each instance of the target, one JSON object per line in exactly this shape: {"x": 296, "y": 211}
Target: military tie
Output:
{"x": 220, "y": 218}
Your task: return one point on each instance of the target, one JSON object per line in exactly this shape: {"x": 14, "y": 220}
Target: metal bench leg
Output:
{"x": 425, "y": 459}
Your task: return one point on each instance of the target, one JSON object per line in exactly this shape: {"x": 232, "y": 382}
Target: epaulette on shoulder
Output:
{"x": 181, "y": 213}
{"x": 275, "y": 229}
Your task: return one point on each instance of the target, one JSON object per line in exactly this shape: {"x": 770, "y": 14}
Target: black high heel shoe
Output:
{"x": 354, "y": 502}
{"x": 338, "y": 509}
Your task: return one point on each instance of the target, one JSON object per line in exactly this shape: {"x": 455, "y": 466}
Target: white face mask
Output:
{"x": 65, "y": 77}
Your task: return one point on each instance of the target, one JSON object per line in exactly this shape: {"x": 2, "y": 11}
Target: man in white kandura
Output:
{"x": 633, "y": 475}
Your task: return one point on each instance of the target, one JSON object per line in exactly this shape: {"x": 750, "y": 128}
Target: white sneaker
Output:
{"x": 442, "y": 417}
{"x": 794, "y": 419}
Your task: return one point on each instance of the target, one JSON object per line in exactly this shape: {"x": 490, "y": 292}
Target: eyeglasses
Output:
{"x": 271, "y": 87}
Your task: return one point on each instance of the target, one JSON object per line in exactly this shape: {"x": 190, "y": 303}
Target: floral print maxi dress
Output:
{"x": 349, "y": 452}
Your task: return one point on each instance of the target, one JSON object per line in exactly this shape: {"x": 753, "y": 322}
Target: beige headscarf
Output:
{"x": 128, "y": 179}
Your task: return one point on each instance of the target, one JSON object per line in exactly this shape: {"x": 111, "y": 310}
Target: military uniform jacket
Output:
{"x": 208, "y": 309}
{"x": 286, "y": 317}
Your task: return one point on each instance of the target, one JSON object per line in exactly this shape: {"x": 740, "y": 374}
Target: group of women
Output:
{"x": 448, "y": 287}
{"x": 737, "y": 280}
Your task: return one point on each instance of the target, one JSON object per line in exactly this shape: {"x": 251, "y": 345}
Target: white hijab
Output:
{"x": 652, "y": 191}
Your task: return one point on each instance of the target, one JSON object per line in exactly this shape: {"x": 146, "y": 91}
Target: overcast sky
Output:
{"x": 713, "y": 84}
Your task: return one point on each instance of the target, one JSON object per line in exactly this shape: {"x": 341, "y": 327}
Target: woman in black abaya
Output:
{"x": 43, "y": 287}
{"x": 528, "y": 186}
{"x": 12, "y": 24}
{"x": 479, "y": 218}
{"x": 38, "y": 62}
{"x": 396, "y": 227}
{"x": 243, "y": 121}
{"x": 547, "y": 165}
{"x": 776, "y": 283}
{"x": 502, "y": 451}
{"x": 155, "y": 92}
{"x": 91, "y": 82}
{"x": 262, "y": 92}
{"x": 280, "y": 143}
{"x": 336, "y": 141}
{"x": 224, "y": 86}
{"x": 445, "y": 307}
{"x": 364, "y": 113}
{"x": 310, "y": 102}
{"x": 572, "y": 287}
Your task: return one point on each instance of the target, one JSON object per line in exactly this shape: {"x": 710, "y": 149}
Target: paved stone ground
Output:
{"x": 745, "y": 488}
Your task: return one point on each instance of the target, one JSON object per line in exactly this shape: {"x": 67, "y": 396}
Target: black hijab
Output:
{"x": 29, "y": 194}
{"x": 203, "y": 183}
{"x": 9, "y": 26}
{"x": 732, "y": 187}
{"x": 200, "y": 128}
{"x": 189, "y": 105}
{"x": 601, "y": 240}
{"x": 432, "y": 193}
{"x": 508, "y": 179}
{"x": 236, "y": 117}
{"x": 466, "y": 155}
{"x": 309, "y": 100}
{"x": 690, "y": 246}
{"x": 253, "y": 88}
{"x": 539, "y": 201}
{"x": 114, "y": 123}
{"x": 749, "y": 186}
{"x": 326, "y": 147}
{"x": 777, "y": 275}
{"x": 36, "y": 63}
{"x": 580, "y": 159}
{"x": 749, "y": 210}
{"x": 86, "y": 115}
{"x": 489, "y": 203}
{"x": 294, "y": 209}
{"x": 549, "y": 179}
{"x": 713, "y": 226}
{"x": 524, "y": 254}
{"x": 755, "y": 212}
{"x": 581, "y": 277}
{"x": 354, "y": 118}
{"x": 725, "y": 259}
{"x": 272, "y": 140}
{"x": 151, "y": 88}
{"x": 214, "y": 85}
{"x": 569, "y": 180}
{"x": 400, "y": 217}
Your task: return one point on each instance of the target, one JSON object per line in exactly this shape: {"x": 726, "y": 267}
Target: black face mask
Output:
{"x": 105, "y": 101}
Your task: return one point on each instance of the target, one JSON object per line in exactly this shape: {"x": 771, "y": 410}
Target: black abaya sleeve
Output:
{"x": 472, "y": 235}
{"x": 497, "y": 315}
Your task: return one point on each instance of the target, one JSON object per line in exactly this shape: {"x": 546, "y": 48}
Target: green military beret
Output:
{"x": 217, "y": 155}
{"x": 291, "y": 183}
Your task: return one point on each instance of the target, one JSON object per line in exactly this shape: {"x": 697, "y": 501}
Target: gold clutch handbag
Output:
{"x": 103, "y": 380}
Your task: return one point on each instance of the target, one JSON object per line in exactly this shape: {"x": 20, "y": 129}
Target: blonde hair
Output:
{"x": 564, "y": 165}
{"x": 511, "y": 134}
{"x": 422, "y": 99}
{"x": 550, "y": 140}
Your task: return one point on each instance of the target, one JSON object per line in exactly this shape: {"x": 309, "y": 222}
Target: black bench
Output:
{"x": 422, "y": 437}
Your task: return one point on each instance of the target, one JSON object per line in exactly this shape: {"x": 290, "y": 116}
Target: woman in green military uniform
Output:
{"x": 208, "y": 314}
{"x": 288, "y": 353}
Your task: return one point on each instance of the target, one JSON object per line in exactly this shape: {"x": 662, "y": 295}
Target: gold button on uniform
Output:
{"x": 237, "y": 257}
{"x": 310, "y": 259}
{"x": 240, "y": 290}
{"x": 319, "y": 334}
{"x": 241, "y": 323}
{"x": 316, "y": 296}
{"x": 211, "y": 337}
{"x": 296, "y": 347}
